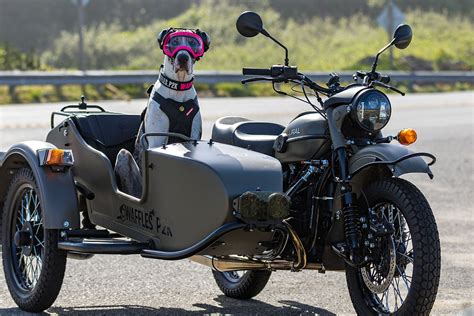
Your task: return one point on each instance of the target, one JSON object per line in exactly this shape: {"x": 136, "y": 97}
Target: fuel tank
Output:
{"x": 306, "y": 137}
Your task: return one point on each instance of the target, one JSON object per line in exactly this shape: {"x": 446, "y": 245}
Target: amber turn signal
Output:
{"x": 56, "y": 157}
{"x": 406, "y": 136}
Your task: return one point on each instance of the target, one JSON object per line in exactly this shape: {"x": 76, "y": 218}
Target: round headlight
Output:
{"x": 372, "y": 110}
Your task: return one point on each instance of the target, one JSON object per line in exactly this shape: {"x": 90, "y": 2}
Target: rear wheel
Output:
{"x": 33, "y": 265}
{"x": 404, "y": 278}
{"x": 242, "y": 284}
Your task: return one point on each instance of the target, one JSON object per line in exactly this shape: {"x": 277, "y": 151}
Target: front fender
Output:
{"x": 398, "y": 159}
{"x": 57, "y": 194}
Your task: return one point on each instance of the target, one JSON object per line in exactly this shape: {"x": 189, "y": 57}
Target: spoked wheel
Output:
{"x": 390, "y": 277}
{"x": 404, "y": 275}
{"x": 241, "y": 284}
{"x": 33, "y": 266}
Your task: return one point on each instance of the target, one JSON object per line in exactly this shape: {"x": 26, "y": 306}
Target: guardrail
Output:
{"x": 95, "y": 77}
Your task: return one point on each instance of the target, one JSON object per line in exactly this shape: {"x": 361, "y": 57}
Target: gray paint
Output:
{"x": 190, "y": 188}
{"x": 335, "y": 120}
{"x": 344, "y": 97}
{"x": 300, "y": 148}
{"x": 57, "y": 191}
{"x": 389, "y": 152}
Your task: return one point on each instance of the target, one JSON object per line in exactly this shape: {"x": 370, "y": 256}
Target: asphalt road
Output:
{"x": 132, "y": 285}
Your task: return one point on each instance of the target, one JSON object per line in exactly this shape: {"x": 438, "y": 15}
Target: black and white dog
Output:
{"x": 172, "y": 106}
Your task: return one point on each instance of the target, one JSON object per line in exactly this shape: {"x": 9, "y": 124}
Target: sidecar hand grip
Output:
{"x": 178, "y": 135}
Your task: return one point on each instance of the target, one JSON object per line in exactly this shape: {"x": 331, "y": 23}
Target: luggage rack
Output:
{"x": 82, "y": 108}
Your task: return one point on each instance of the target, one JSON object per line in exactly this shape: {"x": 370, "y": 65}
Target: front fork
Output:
{"x": 355, "y": 253}
{"x": 352, "y": 252}
{"x": 349, "y": 209}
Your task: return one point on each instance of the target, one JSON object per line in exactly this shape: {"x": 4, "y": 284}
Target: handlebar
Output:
{"x": 373, "y": 76}
{"x": 256, "y": 72}
{"x": 280, "y": 73}
{"x": 384, "y": 78}
{"x": 244, "y": 81}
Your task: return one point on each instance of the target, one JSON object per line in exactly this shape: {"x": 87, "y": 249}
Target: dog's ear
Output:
{"x": 206, "y": 39}
{"x": 162, "y": 36}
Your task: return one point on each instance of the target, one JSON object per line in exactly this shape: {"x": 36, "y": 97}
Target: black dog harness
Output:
{"x": 180, "y": 115}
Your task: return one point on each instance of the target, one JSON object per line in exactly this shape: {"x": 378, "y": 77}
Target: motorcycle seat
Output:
{"x": 254, "y": 135}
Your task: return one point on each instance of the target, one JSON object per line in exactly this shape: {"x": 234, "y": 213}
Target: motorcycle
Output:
{"x": 349, "y": 207}
{"x": 321, "y": 194}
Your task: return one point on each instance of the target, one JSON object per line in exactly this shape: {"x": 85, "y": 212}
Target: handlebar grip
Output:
{"x": 256, "y": 72}
{"x": 385, "y": 78}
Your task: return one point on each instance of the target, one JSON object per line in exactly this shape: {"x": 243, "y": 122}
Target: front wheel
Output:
{"x": 33, "y": 265}
{"x": 404, "y": 279}
{"x": 241, "y": 284}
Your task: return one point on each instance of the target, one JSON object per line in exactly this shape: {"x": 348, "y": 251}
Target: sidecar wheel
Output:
{"x": 242, "y": 285}
{"x": 405, "y": 278}
{"x": 32, "y": 264}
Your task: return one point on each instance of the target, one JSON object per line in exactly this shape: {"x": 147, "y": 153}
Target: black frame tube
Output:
{"x": 194, "y": 249}
{"x": 103, "y": 247}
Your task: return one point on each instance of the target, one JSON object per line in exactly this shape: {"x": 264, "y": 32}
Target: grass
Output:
{"x": 440, "y": 42}
{"x": 72, "y": 93}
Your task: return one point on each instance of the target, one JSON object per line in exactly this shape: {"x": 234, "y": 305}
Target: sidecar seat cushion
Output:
{"x": 241, "y": 132}
{"x": 109, "y": 132}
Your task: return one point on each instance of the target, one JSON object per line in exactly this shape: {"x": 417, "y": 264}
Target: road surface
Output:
{"x": 108, "y": 285}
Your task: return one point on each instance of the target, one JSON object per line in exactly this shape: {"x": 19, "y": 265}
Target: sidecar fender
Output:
{"x": 57, "y": 191}
{"x": 396, "y": 159}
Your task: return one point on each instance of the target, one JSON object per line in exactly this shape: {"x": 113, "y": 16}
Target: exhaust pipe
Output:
{"x": 238, "y": 264}
{"x": 241, "y": 263}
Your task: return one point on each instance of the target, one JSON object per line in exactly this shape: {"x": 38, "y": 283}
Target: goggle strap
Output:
{"x": 175, "y": 85}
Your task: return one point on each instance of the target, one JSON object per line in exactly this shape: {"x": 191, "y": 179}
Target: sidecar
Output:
{"x": 190, "y": 190}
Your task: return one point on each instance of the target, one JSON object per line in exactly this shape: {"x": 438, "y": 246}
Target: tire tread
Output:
{"x": 54, "y": 261}
{"x": 252, "y": 283}
{"x": 424, "y": 231}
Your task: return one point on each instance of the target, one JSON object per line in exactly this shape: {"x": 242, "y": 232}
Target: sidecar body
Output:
{"x": 189, "y": 189}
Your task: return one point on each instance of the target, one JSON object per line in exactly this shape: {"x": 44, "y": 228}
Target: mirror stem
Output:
{"x": 264, "y": 32}
{"x": 374, "y": 66}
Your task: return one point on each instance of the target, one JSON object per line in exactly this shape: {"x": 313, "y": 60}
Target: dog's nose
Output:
{"x": 182, "y": 58}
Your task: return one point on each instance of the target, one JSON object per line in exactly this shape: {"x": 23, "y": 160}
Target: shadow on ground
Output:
{"x": 226, "y": 306}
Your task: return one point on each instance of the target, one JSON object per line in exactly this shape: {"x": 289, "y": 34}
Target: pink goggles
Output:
{"x": 183, "y": 40}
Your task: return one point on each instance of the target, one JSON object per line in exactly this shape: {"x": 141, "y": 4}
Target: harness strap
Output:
{"x": 180, "y": 115}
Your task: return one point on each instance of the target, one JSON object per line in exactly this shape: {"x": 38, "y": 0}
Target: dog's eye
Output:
{"x": 192, "y": 42}
{"x": 175, "y": 42}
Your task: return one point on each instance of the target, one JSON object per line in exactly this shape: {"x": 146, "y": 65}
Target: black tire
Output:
{"x": 424, "y": 260}
{"x": 244, "y": 286}
{"x": 33, "y": 273}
